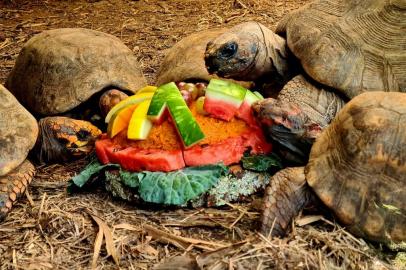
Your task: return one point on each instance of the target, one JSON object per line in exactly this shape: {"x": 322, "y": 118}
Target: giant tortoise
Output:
{"x": 357, "y": 168}
{"x": 67, "y": 71}
{"x": 59, "y": 73}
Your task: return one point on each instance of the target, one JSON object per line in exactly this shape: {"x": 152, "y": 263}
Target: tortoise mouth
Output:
{"x": 81, "y": 151}
{"x": 300, "y": 149}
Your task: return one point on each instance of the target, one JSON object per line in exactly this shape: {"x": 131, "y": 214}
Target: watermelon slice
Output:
{"x": 223, "y": 98}
{"x": 245, "y": 110}
{"x": 168, "y": 96}
{"x": 133, "y": 159}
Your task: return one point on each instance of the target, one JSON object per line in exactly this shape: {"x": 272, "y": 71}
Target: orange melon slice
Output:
{"x": 119, "y": 121}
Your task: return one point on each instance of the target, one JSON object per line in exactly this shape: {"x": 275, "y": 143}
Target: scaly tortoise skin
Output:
{"x": 18, "y": 132}
{"x": 13, "y": 186}
{"x": 62, "y": 139}
{"x": 357, "y": 168}
{"x": 297, "y": 116}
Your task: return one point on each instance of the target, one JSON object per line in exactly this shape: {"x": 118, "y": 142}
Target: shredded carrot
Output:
{"x": 165, "y": 137}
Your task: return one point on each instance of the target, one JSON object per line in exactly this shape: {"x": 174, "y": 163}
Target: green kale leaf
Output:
{"x": 178, "y": 187}
{"x": 93, "y": 168}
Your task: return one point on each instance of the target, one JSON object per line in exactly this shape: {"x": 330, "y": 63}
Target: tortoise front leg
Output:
{"x": 13, "y": 185}
{"x": 286, "y": 194}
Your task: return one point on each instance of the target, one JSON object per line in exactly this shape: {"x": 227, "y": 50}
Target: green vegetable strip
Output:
{"x": 186, "y": 125}
{"x": 227, "y": 88}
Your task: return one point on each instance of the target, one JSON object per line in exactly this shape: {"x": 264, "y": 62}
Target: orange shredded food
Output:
{"x": 165, "y": 137}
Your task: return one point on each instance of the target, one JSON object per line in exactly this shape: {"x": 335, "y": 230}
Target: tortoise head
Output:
{"x": 289, "y": 126}
{"x": 247, "y": 52}
{"x": 62, "y": 139}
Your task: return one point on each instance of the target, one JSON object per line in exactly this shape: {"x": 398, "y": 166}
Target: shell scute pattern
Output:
{"x": 357, "y": 167}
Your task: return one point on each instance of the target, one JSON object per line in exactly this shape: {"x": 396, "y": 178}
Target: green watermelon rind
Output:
{"x": 168, "y": 96}
{"x": 251, "y": 97}
{"x": 186, "y": 125}
{"x": 158, "y": 102}
{"x": 258, "y": 94}
{"x": 227, "y": 89}
{"x": 234, "y": 102}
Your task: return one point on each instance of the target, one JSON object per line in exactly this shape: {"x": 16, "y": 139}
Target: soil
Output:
{"x": 49, "y": 229}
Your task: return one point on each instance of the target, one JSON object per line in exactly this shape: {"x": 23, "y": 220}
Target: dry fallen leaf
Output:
{"x": 97, "y": 246}
{"x": 105, "y": 231}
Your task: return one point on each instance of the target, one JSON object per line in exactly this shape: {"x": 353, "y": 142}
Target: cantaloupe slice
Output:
{"x": 135, "y": 99}
{"x": 139, "y": 126}
{"x": 119, "y": 121}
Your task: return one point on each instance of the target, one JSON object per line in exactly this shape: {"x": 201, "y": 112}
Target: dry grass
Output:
{"x": 51, "y": 230}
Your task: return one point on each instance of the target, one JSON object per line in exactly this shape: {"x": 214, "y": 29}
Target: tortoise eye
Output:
{"x": 83, "y": 134}
{"x": 228, "y": 50}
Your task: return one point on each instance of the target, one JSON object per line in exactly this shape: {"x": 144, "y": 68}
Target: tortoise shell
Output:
{"x": 352, "y": 46}
{"x": 357, "y": 167}
{"x": 185, "y": 60}
{"x": 57, "y": 70}
{"x": 18, "y": 132}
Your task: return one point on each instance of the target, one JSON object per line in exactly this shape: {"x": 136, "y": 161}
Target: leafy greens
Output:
{"x": 172, "y": 188}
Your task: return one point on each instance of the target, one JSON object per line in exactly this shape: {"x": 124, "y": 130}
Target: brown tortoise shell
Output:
{"x": 357, "y": 167}
{"x": 352, "y": 46}
{"x": 18, "y": 132}
{"x": 59, "y": 69}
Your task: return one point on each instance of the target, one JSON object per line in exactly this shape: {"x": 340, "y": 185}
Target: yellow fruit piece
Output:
{"x": 120, "y": 120}
{"x": 131, "y": 100}
{"x": 147, "y": 89}
{"x": 139, "y": 126}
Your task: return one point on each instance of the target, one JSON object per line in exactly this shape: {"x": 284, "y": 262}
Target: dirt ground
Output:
{"x": 50, "y": 230}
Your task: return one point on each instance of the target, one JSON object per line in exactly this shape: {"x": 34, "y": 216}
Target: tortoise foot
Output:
{"x": 13, "y": 185}
{"x": 286, "y": 194}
